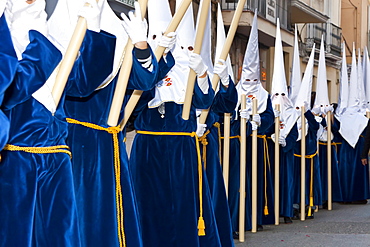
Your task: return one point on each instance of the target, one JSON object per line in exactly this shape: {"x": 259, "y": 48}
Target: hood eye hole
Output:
{"x": 190, "y": 48}
{"x": 283, "y": 94}
{"x": 276, "y": 94}
{"x": 154, "y": 36}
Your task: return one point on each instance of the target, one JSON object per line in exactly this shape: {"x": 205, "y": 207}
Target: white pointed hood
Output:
{"x": 353, "y": 97}
{"x": 206, "y": 51}
{"x": 344, "y": 86}
{"x": 2, "y": 6}
{"x": 295, "y": 80}
{"x": 250, "y": 83}
{"x": 361, "y": 85}
{"x": 279, "y": 91}
{"x": 322, "y": 97}
{"x": 366, "y": 65}
{"x": 172, "y": 88}
{"x": 220, "y": 41}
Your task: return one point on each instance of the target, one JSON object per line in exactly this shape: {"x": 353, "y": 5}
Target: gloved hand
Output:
{"x": 306, "y": 106}
{"x": 254, "y": 125}
{"x": 221, "y": 70}
{"x": 196, "y": 64}
{"x": 136, "y": 27}
{"x": 328, "y": 109}
{"x": 244, "y": 114}
{"x": 316, "y": 110}
{"x": 168, "y": 41}
{"x": 91, "y": 11}
{"x": 282, "y": 141}
{"x": 276, "y": 113}
{"x": 201, "y": 128}
{"x": 257, "y": 119}
{"x": 273, "y": 137}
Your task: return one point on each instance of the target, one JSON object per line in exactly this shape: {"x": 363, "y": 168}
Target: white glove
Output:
{"x": 91, "y": 11}
{"x": 201, "y": 128}
{"x": 273, "y": 137}
{"x": 257, "y": 119}
{"x": 306, "y": 106}
{"x": 221, "y": 70}
{"x": 328, "y": 109}
{"x": 282, "y": 141}
{"x": 244, "y": 114}
{"x": 316, "y": 110}
{"x": 196, "y": 64}
{"x": 276, "y": 113}
{"x": 168, "y": 41}
{"x": 254, "y": 125}
{"x": 136, "y": 27}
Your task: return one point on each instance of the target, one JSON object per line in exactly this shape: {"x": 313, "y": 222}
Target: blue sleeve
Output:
{"x": 312, "y": 123}
{"x": 38, "y": 62}
{"x": 267, "y": 117}
{"x": 226, "y": 99}
{"x": 291, "y": 139}
{"x": 165, "y": 66}
{"x": 93, "y": 65}
{"x": 335, "y": 126}
{"x": 201, "y": 100}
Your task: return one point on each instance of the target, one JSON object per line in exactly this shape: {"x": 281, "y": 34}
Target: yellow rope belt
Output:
{"x": 204, "y": 141}
{"x": 117, "y": 172}
{"x": 311, "y": 180}
{"x": 232, "y": 137}
{"x": 201, "y": 224}
{"x": 217, "y": 125}
{"x": 266, "y": 161}
{"x": 40, "y": 150}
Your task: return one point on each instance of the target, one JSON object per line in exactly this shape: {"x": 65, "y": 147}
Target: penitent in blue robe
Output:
{"x": 93, "y": 160}
{"x": 311, "y": 149}
{"x": 224, "y": 102}
{"x": 165, "y": 175}
{"x": 354, "y": 176}
{"x": 8, "y": 61}
{"x": 323, "y": 156}
{"x": 286, "y": 174}
{"x": 267, "y": 119}
{"x": 37, "y": 202}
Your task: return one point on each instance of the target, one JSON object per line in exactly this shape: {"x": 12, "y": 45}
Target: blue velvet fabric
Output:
{"x": 323, "y": 157}
{"x": 311, "y": 148}
{"x": 354, "y": 176}
{"x": 267, "y": 119}
{"x": 224, "y": 102}
{"x": 37, "y": 201}
{"x": 286, "y": 174}
{"x": 93, "y": 159}
{"x": 8, "y": 61}
{"x": 165, "y": 175}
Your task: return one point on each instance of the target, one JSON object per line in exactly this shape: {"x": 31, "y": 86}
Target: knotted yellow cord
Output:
{"x": 311, "y": 180}
{"x": 117, "y": 172}
{"x": 231, "y": 137}
{"x": 204, "y": 141}
{"x": 265, "y": 158}
{"x": 333, "y": 143}
{"x": 218, "y": 126}
{"x": 39, "y": 150}
{"x": 201, "y": 224}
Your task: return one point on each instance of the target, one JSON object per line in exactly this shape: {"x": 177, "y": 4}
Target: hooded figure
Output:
{"x": 173, "y": 196}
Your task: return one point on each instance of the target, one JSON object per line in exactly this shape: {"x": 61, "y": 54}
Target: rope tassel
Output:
{"x": 201, "y": 227}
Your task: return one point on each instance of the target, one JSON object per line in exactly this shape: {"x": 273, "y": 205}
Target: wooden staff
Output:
{"x": 243, "y": 163}
{"x": 197, "y": 47}
{"x": 123, "y": 77}
{"x": 69, "y": 58}
{"x": 330, "y": 198}
{"x": 254, "y": 170}
{"x": 226, "y": 153}
{"x": 158, "y": 54}
{"x": 225, "y": 50}
{"x": 303, "y": 164}
{"x": 277, "y": 167}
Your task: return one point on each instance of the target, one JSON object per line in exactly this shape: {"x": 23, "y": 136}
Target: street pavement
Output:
{"x": 345, "y": 225}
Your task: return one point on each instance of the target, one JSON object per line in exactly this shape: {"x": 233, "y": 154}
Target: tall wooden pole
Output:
{"x": 303, "y": 164}
{"x": 226, "y": 152}
{"x": 330, "y": 194}
{"x": 243, "y": 163}
{"x": 254, "y": 171}
{"x": 225, "y": 50}
{"x": 277, "y": 167}
{"x": 134, "y": 99}
{"x": 197, "y": 48}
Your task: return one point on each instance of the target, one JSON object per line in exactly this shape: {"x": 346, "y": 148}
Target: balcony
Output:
{"x": 302, "y": 13}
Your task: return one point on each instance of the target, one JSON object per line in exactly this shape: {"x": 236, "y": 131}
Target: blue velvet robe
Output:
{"x": 165, "y": 175}
{"x": 323, "y": 157}
{"x": 93, "y": 160}
{"x": 311, "y": 148}
{"x": 354, "y": 176}
{"x": 224, "y": 102}
{"x": 286, "y": 164}
{"x": 37, "y": 202}
{"x": 267, "y": 119}
{"x": 8, "y": 61}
